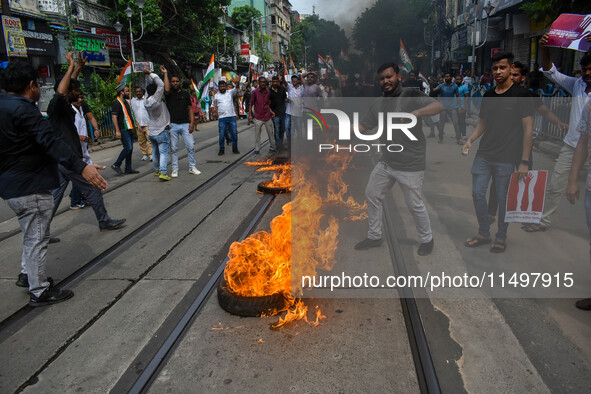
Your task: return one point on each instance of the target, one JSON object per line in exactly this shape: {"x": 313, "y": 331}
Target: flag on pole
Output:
{"x": 406, "y": 62}
{"x": 195, "y": 87}
{"x": 209, "y": 74}
{"x": 293, "y": 67}
{"x": 285, "y": 71}
{"x": 125, "y": 75}
{"x": 321, "y": 62}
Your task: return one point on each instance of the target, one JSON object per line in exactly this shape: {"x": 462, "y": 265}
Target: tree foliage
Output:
{"x": 187, "y": 30}
{"x": 321, "y": 36}
{"x": 378, "y": 30}
{"x": 242, "y": 17}
{"x": 549, "y": 10}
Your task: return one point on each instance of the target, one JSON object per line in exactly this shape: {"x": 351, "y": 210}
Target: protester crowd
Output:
{"x": 39, "y": 157}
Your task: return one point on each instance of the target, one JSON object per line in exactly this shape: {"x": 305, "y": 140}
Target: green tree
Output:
{"x": 186, "y": 30}
{"x": 378, "y": 30}
{"x": 321, "y": 36}
{"x": 243, "y": 16}
{"x": 549, "y": 10}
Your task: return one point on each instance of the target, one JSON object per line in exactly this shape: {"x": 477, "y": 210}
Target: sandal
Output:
{"x": 534, "y": 228}
{"x": 498, "y": 247}
{"x": 476, "y": 241}
{"x": 491, "y": 219}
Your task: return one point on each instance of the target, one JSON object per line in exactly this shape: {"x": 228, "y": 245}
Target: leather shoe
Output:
{"x": 50, "y": 296}
{"x": 132, "y": 171}
{"x": 235, "y": 151}
{"x": 117, "y": 169}
{"x": 23, "y": 280}
{"x": 368, "y": 243}
{"x": 584, "y": 304}
{"x": 425, "y": 248}
{"x": 53, "y": 240}
{"x": 111, "y": 224}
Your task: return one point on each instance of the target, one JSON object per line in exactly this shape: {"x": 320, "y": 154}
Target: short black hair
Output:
{"x": 140, "y": 88}
{"x": 388, "y": 65}
{"x": 503, "y": 55}
{"x": 222, "y": 82}
{"x": 18, "y": 75}
{"x": 585, "y": 60}
{"x": 275, "y": 78}
{"x": 414, "y": 71}
{"x": 523, "y": 70}
{"x": 262, "y": 78}
{"x": 151, "y": 89}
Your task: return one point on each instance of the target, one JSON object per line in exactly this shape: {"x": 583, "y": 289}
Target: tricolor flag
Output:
{"x": 293, "y": 67}
{"x": 208, "y": 77}
{"x": 406, "y": 62}
{"x": 195, "y": 87}
{"x": 125, "y": 75}
{"x": 321, "y": 62}
{"x": 285, "y": 71}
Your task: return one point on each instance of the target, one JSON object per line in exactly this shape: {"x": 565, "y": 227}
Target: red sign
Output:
{"x": 112, "y": 38}
{"x": 494, "y": 51}
{"x": 43, "y": 71}
{"x": 570, "y": 31}
{"x": 244, "y": 49}
{"x": 525, "y": 198}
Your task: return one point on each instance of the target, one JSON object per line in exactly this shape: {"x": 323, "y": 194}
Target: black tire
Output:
{"x": 263, "y": 188}
{"x": 281, "y": 160}
{"x": 250, "y": 306}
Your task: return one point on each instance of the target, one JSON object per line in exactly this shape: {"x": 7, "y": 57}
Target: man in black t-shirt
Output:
{"x": 278, "y": 102}
{"x": 182, "y": 123}
{"x": 407, "y": 167}
{"x": 61, "y": 116}
{"x": 506, "y": 125}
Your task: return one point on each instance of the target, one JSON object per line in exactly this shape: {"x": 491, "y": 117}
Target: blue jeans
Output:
{"x": 182, "y": 130}
{"x": 482, "y": 171}
{"x": 75, "y": 196}
{"x": 160, "y": 145}
{"x": 34, "y": 215}
{"x": 127, "y": 142}
{"x": 224, "y": 124}
{"x": 279, "y": 130}
{"x": 588, "y": 210}
{"x": 93, "y": 196}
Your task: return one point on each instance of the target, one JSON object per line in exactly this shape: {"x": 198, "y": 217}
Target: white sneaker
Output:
{"x": 194, "y": 171}
{"x": 150, "y": 157}
{"x": 175, "y": 173}
{"x": 145, "y": 158}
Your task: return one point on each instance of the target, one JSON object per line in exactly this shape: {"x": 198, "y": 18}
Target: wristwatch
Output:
{"x": 526, "y": 162}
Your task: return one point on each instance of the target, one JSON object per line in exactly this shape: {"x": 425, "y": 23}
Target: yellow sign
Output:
{"x": 13, "y": 37}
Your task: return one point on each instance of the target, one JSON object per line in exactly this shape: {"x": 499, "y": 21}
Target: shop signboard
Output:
{"x": 93, "y": 48}
{"x": 13, "y": 37}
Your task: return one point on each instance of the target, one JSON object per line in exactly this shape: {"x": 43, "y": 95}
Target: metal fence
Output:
{"x": 561, "y": 107}
{"x": 105, "y": 124}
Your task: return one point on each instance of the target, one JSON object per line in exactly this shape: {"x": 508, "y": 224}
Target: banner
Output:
{"x": 570, "y": 31}
{"x": 13, "y": 37}
{"x": 525, "y": 198}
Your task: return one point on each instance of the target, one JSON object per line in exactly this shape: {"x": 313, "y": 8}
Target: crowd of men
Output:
{"x": 39, "y": 157}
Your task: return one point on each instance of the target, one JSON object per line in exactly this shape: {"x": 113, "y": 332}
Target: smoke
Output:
{"x": 342, "y": 12}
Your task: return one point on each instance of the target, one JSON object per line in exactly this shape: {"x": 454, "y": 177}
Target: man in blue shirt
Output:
{"x": 447, "y": 91}
{"x": 464, "y": 93}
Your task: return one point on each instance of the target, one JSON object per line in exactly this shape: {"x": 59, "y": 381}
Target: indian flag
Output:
{"x": 125, "y": 75}
{"x": 208, "y": 77}
{"x": 194, "y": 87}
{"x": 406, "y": 62}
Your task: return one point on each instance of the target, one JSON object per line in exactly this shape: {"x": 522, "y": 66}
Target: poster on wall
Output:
{"x": 570, "y": 31}
{"x": 13, "y": 37}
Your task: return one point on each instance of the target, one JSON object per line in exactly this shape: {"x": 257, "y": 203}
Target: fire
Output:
{"x": 261, "y": 265}
{"x": 280, "y": 179}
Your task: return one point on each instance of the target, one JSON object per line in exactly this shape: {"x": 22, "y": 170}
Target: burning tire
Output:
{"x": 281, "y": 160}
{"x": 264, "y": 187}
{"x": 250, "y": 306}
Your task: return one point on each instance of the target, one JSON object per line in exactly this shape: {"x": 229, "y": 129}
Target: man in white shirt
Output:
{"x": 580, "y": 90}
{"x": 223, "y": 105}
{"x": 158, "y": 123}
{"x": 293, "y": 112}
{"x": 141, "y": 119}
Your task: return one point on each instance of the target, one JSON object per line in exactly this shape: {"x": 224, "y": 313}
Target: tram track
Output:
{"x": 17, "y": 319}
{"x": 128, "y": 180}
